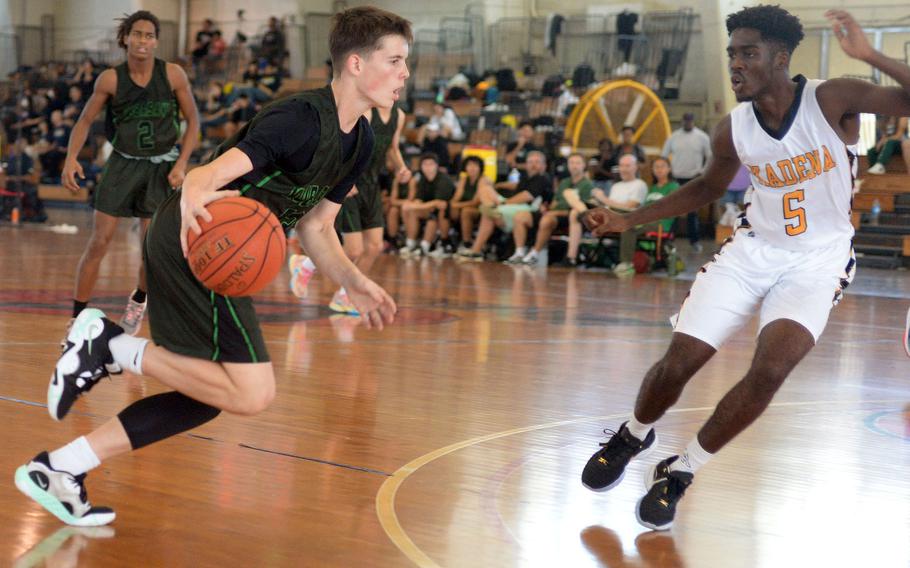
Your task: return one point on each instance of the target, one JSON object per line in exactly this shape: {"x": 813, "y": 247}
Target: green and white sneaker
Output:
{"x": 61, "y": 493}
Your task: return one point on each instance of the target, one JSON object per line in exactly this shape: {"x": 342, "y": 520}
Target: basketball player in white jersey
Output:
{"x": 789, "y": 259}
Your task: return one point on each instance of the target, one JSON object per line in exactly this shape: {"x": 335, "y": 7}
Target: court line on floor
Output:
{"x": 385, "y": 497}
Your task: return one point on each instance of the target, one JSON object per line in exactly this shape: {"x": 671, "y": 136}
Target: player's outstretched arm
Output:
{"x": 704, "y": 189}
{"x": 840, "y": 97}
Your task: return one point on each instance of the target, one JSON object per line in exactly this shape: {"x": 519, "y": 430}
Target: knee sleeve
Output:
{"x": 163, "y": 415}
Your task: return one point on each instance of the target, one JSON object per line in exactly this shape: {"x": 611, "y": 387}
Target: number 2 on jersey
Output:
{"x": 146, "y": 136}
{"x": 793, "y": 212}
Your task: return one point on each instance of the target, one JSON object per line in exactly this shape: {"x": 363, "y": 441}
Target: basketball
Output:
{"x": 240, "y": 250}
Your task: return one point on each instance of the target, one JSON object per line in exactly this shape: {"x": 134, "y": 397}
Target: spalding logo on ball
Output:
{"x": 240, "y": 250}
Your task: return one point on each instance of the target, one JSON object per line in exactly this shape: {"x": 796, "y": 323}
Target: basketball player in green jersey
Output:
{"x": 299, "y": 156}
{"x": 142, "y": 96}
{"x": 361, "y": 220}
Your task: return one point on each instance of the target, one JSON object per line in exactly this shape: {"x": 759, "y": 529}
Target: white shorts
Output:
{"x": 747, "y": 273}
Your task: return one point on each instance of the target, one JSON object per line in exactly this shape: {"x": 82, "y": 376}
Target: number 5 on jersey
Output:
{"x": 794, "y": 213}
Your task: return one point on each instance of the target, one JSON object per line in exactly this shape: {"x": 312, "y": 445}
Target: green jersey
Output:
{"x": 142, "y": 121}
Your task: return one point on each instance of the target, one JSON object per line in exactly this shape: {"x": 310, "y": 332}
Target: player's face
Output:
{"x": 576, "y": 166}
{"x": 750, "y": 60}
{"x": 385, "y": 71}
{"x": 142, "y": 40}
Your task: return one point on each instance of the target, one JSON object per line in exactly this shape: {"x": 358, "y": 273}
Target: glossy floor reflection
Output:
{"x": 457, "y": 436}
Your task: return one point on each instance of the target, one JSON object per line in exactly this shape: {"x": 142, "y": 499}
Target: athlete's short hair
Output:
{"x": 772, "y": 22}
{"x": 127, "y": 21}
{"x": 359, "y": 30}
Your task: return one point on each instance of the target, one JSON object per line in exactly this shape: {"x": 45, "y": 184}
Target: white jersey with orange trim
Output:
{"x": 802, "y": 182}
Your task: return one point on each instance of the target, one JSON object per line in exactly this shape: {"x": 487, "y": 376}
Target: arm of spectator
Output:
{"x": 506, "y": 185}
{"x": 184, "y": 94}
{"x": 459, "y": 192}
{"x": 512, "y": 156}
{"x": 572, "y": 198}
{"x": 901, "y": 129}
{"x": 105, "y": 88}
{"x": 521, "y": 197}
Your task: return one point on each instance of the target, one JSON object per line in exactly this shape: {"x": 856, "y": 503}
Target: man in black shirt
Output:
{"x": 299, "y": 156}
{"x": 496, "y": 210}
{"x": 517, "y": 152}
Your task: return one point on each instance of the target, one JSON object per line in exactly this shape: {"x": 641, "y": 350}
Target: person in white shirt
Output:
{"x": 690, "y": 149}
{"x": 625, "y": 195}
{"x": 789, "y": 259}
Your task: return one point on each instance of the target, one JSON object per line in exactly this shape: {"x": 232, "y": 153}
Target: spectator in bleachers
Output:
{"x": 203, "y": 41}
{"x": 217, "y": 47}
{"x": 269, "y": 81}
{"x": 627, "y": 145}
{"x": 572, "y": 197}
{"x": 74, "y": 106}
{"x": 625, "y": 195}
{"x": 85, "y": 77}
{"x": 54, "y": 148}
{"x": 241, "y": 112}
{"x": 464, "y": 205}
{"x": 22, "y": 176}
{"x": 497, "y": 210}
{"x": 434, "y": 143}
{"x": 398, "y": 196}
{"x": 894, "y": 129}
{"x": 517, "y": 152}
{"x": 25, "y": 118}
{"x": 429, "y": 194}
{"x": 605, "y": 164}
{"x": 690, "y": 149}
{"x": 446, "y": 120}
{"x": 272, "y": 47}
{"x": 458, "y": 87}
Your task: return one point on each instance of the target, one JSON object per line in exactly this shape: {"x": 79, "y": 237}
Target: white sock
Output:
{"x": 693, "y": 458}
{"x": 411, "y": 243}
{"x": 342, "y": 291}
{"x": 532, "y": 254}
{"x": 638, "y": 429}
{"x": 128, "y": 351}
{"x": 76, "y": 458}
{"x": 521, "y": 251}
{"x": 425, "y": 245}
{"x": 308, "y": 264}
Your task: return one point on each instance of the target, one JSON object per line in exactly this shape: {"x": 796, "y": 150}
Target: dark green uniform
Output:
{"x": 190, "y": 319}
{"x": 143, "y": 129}
{"x": 364, "y": 210}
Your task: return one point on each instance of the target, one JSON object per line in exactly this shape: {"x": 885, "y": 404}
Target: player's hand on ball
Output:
{"x": 601, "y": 221}
{"x": 192, "y": 205}
{"x": 176, "y": 175}
{"x": 374, "y": 304}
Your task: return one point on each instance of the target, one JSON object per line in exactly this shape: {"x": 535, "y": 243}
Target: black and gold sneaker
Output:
{"x": 607, "y": 466}
{"x": 665, "y": 488}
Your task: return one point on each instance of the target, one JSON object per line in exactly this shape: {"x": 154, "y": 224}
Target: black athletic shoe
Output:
{"x": 86, "y": 360}
{"x": 61, "y": 493}
{"x": 665, "y": 488}
{"x": 607, "y": 467}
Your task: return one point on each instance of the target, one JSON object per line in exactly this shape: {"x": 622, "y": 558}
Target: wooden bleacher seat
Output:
{"x": 59, "y": 193}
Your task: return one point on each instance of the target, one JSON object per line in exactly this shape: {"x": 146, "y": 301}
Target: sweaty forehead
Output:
{"x": 745, "y": 37}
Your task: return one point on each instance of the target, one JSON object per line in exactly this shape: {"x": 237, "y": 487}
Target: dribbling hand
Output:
{"x": 374, "y": 304}
{"x": 192, "y": 205}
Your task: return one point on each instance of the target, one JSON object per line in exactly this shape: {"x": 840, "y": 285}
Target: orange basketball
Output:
{"x": 240, "y": 251}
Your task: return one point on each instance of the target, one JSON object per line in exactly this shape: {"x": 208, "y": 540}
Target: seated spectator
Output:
{"x": 463, "y": 207}
{"x": 447, "y": 122}
{"x": 435, "y": 143}
{"x": 73, "y": 108}
{"x": 625, "y": 195}
{"x": 22, "y": 176}
{"x": 572, "y": 197}
{"x": 269, "y": 80}
{"x": 497, "y": 210}
{"x": 398, "y": 196}
{"x": 241, "y": 112}
{"x": 627, "y": 145}
{"x": 606, "y": 163}
{"x": 517, "y": 152}
{"x": 272, "y": 47}
{"x": 85, "y": 77}
{"x": 54, "y": 149}
{"x": 429, "y": 194}
{"x": 203, "y": 41}
{"x": 893, "y": 130}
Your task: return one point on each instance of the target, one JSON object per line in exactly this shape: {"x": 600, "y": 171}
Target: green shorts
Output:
{"x": 186, "y": 317}
{"x": 361, "y": 212}
{"x": 132, "y": 188}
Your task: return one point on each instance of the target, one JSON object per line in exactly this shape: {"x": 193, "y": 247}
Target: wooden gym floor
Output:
{"x": 457, "y": 436}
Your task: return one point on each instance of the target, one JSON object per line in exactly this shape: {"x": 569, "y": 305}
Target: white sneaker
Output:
{"x": 530, "y": 258}
{"x": 61, "y": 493}
{"x": 438, "y": 252}
{"x": 876, "y": 169}
{"x": 300, "y": 275}
{"x": 131, "y": 320}
{"x": 516, "y": 258}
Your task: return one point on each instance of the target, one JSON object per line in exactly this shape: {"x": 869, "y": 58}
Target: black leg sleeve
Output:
{"x": 163, "y": 415}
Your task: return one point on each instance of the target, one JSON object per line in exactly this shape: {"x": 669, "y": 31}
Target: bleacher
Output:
{"x": 885, "y": 243}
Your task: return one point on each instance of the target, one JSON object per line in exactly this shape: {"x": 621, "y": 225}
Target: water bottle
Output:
{"x": 876, "y": 211}
{"x": 514, "y": 175}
